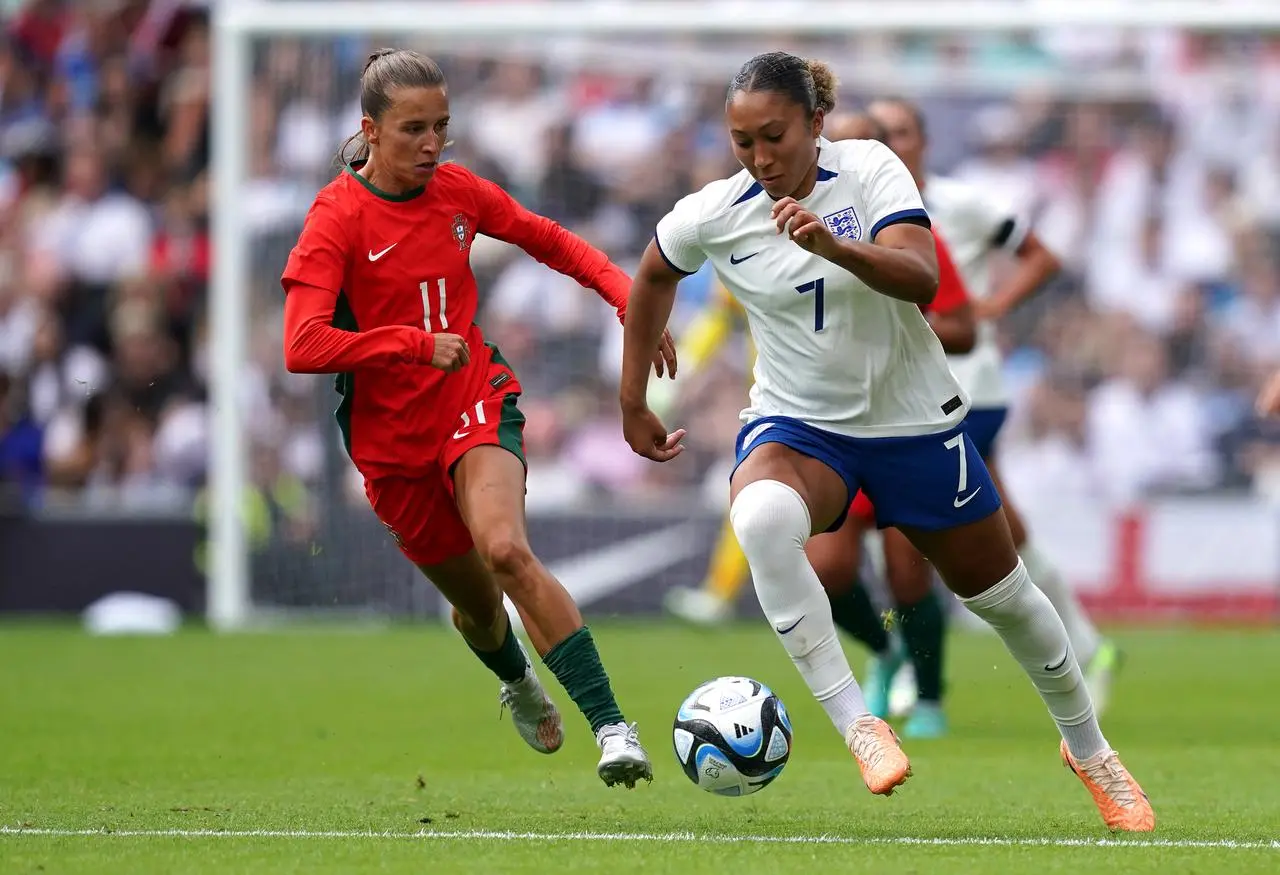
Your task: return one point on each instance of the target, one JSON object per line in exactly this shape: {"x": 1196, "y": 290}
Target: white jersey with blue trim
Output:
{"x": 830, "y": 351}
{"x": 973, "y": 226}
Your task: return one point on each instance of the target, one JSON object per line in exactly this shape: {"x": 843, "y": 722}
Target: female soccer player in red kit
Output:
{"x": 379, "y": 291}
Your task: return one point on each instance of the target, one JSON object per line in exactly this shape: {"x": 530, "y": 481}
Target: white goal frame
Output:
{"x": 237, "y": 22}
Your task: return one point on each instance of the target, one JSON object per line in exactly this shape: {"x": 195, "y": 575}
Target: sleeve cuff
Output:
{"x": 911, "y": 217}
{"x": 671, "y": 264}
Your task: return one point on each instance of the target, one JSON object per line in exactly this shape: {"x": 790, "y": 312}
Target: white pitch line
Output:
{"x": 670, "y": 837}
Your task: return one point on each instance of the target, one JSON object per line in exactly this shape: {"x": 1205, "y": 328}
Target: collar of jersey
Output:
{"x": 377, "y": 192}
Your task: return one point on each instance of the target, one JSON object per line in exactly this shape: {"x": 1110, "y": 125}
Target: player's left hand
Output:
{"x": 664, "y": 360}
{"x": 648, "y": 437}
{"x": 807, "y": 230}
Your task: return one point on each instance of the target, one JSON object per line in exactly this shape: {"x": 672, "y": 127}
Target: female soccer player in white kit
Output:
{"x": 827, "y": 248}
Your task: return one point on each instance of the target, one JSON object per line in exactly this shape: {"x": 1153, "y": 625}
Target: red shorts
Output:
{"x": 420, "y": 512}
{"x": 862, "y": 509}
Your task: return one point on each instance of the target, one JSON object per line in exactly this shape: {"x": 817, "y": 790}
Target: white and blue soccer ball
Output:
{"x": 732, "y": 736}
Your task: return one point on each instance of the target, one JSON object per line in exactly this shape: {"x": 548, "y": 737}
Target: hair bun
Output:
{"x": 825, "y": 84}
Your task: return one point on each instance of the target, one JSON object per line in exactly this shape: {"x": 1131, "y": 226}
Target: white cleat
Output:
{"x": 534, "y": 714}
{"x": 697, "y": 606}
{"x": 622, "y": 759}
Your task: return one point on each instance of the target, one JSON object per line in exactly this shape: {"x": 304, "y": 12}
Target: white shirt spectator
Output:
{"x": 1141, "y": 441}
{"x": 97, "y": 241}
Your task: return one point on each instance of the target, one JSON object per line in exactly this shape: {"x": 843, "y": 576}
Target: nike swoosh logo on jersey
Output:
{"x": 961, "y": 502}
{"x": 373, "y": 257}
{"x": 789, "y": 628}
{"x": 733, "y": 260}
{"x": 461, "y": 433}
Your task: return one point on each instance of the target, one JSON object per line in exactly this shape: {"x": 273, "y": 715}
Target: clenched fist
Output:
{"x": 451, "y": 353}
{"x": 805, "y": 229}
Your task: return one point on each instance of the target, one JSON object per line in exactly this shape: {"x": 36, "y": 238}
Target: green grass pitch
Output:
{"x": 316, "y": 751}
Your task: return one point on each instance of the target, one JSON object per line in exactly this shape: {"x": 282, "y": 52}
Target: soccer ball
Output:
{"x": 732, "y": 736}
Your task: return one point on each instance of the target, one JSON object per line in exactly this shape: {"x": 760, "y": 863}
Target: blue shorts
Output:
{"x": 983, "y": 427}
{"x": 931, "y": 482}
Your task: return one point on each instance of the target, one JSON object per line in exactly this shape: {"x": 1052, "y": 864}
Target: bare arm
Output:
{"x": 1036, "y": 265}
{"x": 901, "y": 263}
{"x": 653, "y": 294}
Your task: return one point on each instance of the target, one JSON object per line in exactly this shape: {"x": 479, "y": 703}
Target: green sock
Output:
{"x": 924, "y": 627}
{"x": 576, "y": 664}
{"x": 853, "y": 612}
{"x": 508, "y": 662}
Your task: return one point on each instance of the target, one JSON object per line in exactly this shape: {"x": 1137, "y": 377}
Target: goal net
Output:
{"x": 1134, "y": 136}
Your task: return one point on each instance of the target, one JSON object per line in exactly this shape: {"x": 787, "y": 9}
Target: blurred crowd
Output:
{"x": 104, "y": 252}
{"x": 1134, "y": 371}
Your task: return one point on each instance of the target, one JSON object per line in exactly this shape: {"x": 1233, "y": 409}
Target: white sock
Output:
{"x": 772, "y": 525}
{"x": 1083, "y": 634}
{"x": 1032, "y": 631}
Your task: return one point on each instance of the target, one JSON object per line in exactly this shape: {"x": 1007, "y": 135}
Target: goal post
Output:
{"x": 611, "y": 33}
{"x": 228, "y": 593}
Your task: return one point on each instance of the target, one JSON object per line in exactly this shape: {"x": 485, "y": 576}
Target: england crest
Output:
{"x": 461, "y": 230}
{"x": 844, "y": 223}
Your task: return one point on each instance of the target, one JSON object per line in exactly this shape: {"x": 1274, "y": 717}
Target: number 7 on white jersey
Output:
{"x": 818, "y": 287}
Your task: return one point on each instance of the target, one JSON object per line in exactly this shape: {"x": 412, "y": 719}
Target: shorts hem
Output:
{"x": 939, "y": 525}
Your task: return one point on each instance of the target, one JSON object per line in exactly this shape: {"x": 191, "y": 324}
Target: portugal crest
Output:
{"x": 461, "y": 231}
{"x": 844, "y": 223}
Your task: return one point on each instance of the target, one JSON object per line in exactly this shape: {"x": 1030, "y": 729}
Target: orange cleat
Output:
{"x": 874, "y": 745}
{"x": 1121, "y": 802}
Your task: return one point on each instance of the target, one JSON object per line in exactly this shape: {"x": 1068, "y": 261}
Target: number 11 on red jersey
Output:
{"x": 427, "y": 291}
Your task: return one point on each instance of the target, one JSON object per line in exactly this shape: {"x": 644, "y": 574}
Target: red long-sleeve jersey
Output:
{"x": 372, "y": 278}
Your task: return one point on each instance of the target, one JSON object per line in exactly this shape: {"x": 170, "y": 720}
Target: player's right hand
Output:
{"x": 648, "y": 437}
{"x": 451, "y": 353}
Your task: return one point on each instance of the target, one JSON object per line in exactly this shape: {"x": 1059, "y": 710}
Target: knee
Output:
{"x": 768, "y": 515}
{"x": 506, "y": 555}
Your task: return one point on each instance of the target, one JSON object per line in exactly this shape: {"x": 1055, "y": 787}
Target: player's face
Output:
{"x": 774, "y": 140}
{"x": 410, "y": 135}
{"x": 903, "y": 133}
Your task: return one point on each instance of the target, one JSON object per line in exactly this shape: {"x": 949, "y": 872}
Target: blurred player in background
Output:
{"x": 379, "y": 290}
{"x": 975, "y": 228}
{"x": 827, "y": 247}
